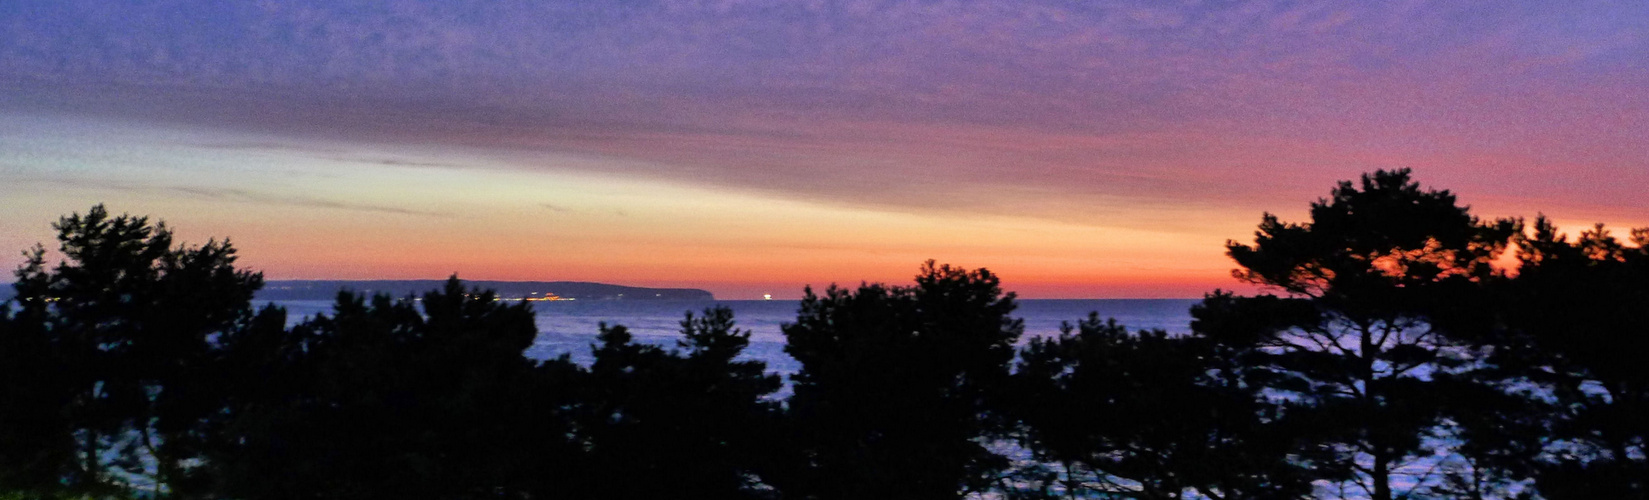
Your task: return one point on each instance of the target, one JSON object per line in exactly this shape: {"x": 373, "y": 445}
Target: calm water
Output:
{"x": 570, "y": 327}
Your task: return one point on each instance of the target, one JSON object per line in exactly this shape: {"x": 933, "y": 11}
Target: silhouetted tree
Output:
{"x": 1356, "y": 345}
{"x": 891, "y": 398}
{"x": 36, "y": 444}
{"x": 1394, "y": 362}
{"x": 384, "y": 400}
{"x": 689, "y": 422}
{"x": 1151, "y": 416}
{"x": 119, "y": 343}
{"x": 1578, "y": 326}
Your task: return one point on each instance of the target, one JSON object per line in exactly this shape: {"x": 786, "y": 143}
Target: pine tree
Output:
{"x": 120, "y": 340}
{"x": 1361, "y": 343}
{"x": 892, "y": 397}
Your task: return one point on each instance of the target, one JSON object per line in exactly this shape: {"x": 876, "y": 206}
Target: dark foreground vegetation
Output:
{"x": 1394, "y": 361}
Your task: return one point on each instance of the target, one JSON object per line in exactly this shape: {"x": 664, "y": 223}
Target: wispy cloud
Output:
{"x": 224, "y": 194}
{"x": 247, "y": 196}
{"x": 267, "y": 146}
{"x": 557, "y": 208}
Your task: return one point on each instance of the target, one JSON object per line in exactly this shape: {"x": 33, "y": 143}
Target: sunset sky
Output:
{"x": 1079, "y": 149}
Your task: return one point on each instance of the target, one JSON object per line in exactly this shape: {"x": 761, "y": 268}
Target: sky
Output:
{"x": 1077, "y": 149}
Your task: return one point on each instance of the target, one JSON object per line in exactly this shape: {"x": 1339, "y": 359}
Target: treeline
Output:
{"x": 1399, "y": 356}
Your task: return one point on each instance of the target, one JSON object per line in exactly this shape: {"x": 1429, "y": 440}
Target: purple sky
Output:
{"x": 1176, "y": 123}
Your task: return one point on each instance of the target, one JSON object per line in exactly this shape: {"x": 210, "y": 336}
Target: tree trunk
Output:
{"x": 1382, "y": 461}
{"x": 1382, "y": 475}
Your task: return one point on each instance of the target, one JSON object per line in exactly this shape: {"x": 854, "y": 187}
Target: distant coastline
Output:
{"x": 508, "y": 290}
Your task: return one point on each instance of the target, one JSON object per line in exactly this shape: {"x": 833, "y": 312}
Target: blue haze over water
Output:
{"x": 570, "y": 327}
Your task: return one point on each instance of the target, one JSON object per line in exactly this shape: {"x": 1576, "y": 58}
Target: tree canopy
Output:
{"x": 893, "y": 397}
{"x": 1355, "y": 343}
{"x": 1394, "y": 352}
{"x": 111, "y": 353}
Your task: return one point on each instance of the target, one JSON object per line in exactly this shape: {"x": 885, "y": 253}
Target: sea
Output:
{"x": 570, "y": 327}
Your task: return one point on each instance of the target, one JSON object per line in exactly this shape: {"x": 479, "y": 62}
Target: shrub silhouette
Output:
{"x": 388, "y": 398}
{"x": 891, "y": 398}
{"x": 1149, "y": 415}
{"x": 692, "y": 421}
